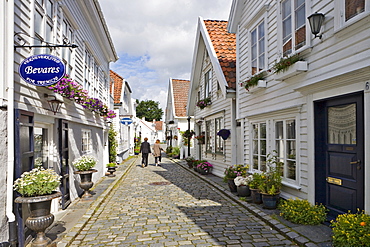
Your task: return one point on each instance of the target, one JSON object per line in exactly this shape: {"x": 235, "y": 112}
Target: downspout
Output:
{"x": 9, "y": 77}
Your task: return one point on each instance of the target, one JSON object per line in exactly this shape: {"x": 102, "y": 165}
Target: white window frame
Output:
{"x": 219, "y": 142}
{"x": 86, "y": 141}
{"x": 258, "y": 47}
{"x": 339, "y": 15}
{"x": 258, "y": 138}
{"x": 208, "y": 83}
{"x": 280, "y": 24}
{"x": 44, "y": 34}
{"x": 282, "y": 154}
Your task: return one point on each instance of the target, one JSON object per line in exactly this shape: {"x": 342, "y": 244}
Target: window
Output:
{"x": 258, "y": 48}
{"x": 259, "y": 141}
{"x": 353, "y": 8}
{"x": 86, "y": 141}
{"x": 294, "y": 25}
{"x": 285, "y": 145}
{"x": 67, "y": 51}
{"x": 208, "y": 84}
{"x": 208, "y": 137}
{"x": 219, "y": 123}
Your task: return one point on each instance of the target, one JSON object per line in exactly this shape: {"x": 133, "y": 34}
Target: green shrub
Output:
{"x": 302, "y": 212}
{"x": 351, "y": 229}
{"x": 175, "y": 151}
{"x": 169, "y": 150}
{"x": 112, "y": 144}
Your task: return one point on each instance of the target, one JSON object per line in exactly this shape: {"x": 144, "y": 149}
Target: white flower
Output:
{"x": 242, "y": 180}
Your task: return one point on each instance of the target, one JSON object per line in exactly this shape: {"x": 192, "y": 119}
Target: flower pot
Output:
{"x": 40, "y": 217}
{"x": 111, "y": 170}
{"x": 256, "y": 196}
{"x": 86, "y": 181}
{"x": 243, "y": 190}
{"x": 270, "y": 201}
{"x": 232, "y": 185}
{"x": 205, "y": 171}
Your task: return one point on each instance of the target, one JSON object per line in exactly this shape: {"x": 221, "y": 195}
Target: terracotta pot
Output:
{"x": 40, "y": 217}
{"x": 86, "y": 181}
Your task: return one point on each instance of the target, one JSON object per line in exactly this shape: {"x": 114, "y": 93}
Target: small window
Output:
{"x": 258, "y": 48}
{"x": 259, "y": 141}
{"x": 86, "y": 141}
{"x": 353, "y": 8}
{"x": 208, "y": 84}
{"x": 285, "y": 145}
{"x": 208, "y": 137}
{"x": 219, "y": 123}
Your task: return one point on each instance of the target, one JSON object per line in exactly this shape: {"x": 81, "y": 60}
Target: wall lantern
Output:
{"x": 53, "y": 102}
{"x": 316, "y": 20}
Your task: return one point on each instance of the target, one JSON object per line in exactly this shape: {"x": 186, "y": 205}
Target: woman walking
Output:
{"x": 157, "y": 152}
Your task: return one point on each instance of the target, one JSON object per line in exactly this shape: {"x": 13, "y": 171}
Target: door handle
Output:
{"x": 355, "y": 162}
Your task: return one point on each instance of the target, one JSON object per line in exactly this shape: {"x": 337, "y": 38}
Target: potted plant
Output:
{"x": 231, "y": 173}
{"x": 204, "y": 103}
{"x": 111, "y": 169}
{"x": 137, "y": 144}
{"x": 190, "y": 160}
{"x": 201, "y": 139}
{"x": 37, "y": 188}
{"x": 271, "y": 182}
{"x": 253, "y": 186}
{"x": 176, "y": 152}
{"x": 204, "y": 167}
{"x": 289, "y": 66}
{"x": 84, "y": 165}
{"x": 242, "y": 185}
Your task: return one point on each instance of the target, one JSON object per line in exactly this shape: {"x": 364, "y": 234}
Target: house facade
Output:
{"x": 313, "y": 112}
{"x": 124, "y": 108}
{"x": 177, "y": 119}
{"x": 75, "y": 33}
{"x": 212, "y": 94}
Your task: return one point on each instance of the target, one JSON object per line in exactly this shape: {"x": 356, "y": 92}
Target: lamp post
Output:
{"x": 189, "y": 135}
{"x": 53, "y": 102}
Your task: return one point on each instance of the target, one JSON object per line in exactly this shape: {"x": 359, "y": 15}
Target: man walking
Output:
{"x": 145, "y": 150}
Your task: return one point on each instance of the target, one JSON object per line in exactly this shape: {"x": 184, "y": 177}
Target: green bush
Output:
{"x": 175, "y": 151}
{"x": 302, "y": 212}
{"x": 169, "y": 150}
{"x": 112, "y": 143}
{"x": 351, "y": 229}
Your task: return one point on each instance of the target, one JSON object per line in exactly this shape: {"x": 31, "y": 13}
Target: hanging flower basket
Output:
{"x": 224, "y": 133}
{"x": 201, "y": 139}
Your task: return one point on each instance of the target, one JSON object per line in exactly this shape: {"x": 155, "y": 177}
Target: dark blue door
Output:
{"x": 339, "y": 153}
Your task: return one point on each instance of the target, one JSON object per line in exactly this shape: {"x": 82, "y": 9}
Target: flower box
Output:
{"x": 260, "y": 85}
{"x": 294, "y": 69}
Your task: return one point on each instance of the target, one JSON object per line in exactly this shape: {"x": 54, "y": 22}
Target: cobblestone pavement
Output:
{"x": 169, "y": 206}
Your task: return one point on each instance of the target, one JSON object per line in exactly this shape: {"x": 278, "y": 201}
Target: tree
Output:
{"x": 148, "y": 109}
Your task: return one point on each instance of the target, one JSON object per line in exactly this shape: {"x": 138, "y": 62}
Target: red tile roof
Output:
{"x": 118, "y": 85}
{"x": 180, "y": 95}
{"x": 224, "y": 44}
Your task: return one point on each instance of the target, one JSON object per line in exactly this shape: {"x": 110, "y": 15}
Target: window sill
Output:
{"x": 295, "y": 69}
{"x": 290, "y": 185}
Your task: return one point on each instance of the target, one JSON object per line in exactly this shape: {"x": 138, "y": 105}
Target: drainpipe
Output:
{"x": 9, "y": 77}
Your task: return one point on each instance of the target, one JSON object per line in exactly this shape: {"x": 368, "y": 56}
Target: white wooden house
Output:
{"x": 316, "y": 113}
{"x": 76, "y": 33}
{"x": 177, "y": 120}
{"x": 212, "y": 88}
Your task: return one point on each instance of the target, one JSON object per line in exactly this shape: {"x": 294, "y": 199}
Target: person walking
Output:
{"x": 145, "y": 151}
{"x": 157, "y": 152}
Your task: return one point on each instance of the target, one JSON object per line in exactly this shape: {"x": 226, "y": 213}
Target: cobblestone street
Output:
{"x": 169, "y": 206}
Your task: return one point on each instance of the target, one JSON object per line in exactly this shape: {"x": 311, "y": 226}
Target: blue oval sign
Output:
{"x": 42, "y": 70}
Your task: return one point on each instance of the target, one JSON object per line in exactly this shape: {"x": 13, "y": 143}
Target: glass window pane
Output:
{"x": 279, "y": 130}
{"x": 263, "y": 163}
{"x": 49, "y": 8}
{"x": 290, "y": 129}
{"x": 38, "y": 23}
{"x": 290, "y": 152}
{"x": 287, "y": 29}
{"x": 291, "y": 169}
{"x": 255, "y": 131}
{"x": 261, "y": 30}
{"x": 342, "y": 124}
{"x": 353, "y": 8}
{"x": 254, "y": 37}
{"x": 286, "y": 8}
{"x": 261, "y": 62}
{"x": 263, "y": 148}
{"x": 255, "y": 162}
{"x": 261, "y": 46}
{"x": 263, "y": 130}
{"x": 300, "y": 16}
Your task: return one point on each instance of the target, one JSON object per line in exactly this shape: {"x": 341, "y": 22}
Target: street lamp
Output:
{"x": 316, "y": 20}
{"x": 53, "y": 102}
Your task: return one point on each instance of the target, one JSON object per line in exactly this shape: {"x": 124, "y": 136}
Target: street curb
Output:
{"x": 69, "y": 237}
{"x": 273, "y": 223}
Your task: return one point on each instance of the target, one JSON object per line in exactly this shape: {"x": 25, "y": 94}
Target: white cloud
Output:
{"x": 155, "y": 40}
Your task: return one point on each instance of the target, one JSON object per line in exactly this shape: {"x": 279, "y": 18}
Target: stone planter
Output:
{"x": 243, "y": 190}
{"x": 111, "y": 170}
{"x": 86, "y": 181}
{"x": 40, "y": 217}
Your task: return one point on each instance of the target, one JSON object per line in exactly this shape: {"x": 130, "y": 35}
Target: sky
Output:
{"x": 155, "y": 40}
